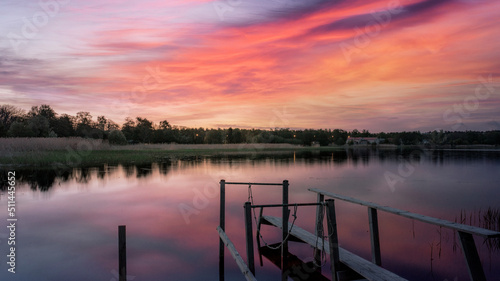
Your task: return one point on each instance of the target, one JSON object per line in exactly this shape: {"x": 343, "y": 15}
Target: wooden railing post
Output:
{"x": 257, "y": 236}
{"x": 222, "y": 223}
{"x": 122, "y": 253}
{"x": 284, "y": 247}
{"x": 374, "y": 236}
{"x": 319, "y": 229}
{"x": 474, "y": 266}
{"x": 333, "y": 241}
{"x": 249, "y": 237}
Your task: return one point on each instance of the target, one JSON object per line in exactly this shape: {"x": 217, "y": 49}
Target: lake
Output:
{"x": 67, "y": 220}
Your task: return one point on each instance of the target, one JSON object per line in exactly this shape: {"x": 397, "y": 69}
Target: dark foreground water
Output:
{"x": 67, "y": 219}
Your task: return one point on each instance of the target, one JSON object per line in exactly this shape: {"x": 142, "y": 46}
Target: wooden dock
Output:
{"x": 345, "y": 266}
{"x": 364, "y": 268}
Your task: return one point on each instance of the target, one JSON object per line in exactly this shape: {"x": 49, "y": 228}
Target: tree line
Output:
{"x": 43, "y": 121}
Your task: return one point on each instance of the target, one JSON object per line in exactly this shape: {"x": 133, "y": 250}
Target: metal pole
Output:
{"x": 249, "y": 237}
{"x": 222, "y": 224}
{"x": 122, "y": 253}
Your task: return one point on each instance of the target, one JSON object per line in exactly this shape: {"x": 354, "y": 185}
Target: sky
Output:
{"x": 391, "y": 65}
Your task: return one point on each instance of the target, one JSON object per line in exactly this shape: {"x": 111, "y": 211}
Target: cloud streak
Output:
{"x": 264, "y": 55}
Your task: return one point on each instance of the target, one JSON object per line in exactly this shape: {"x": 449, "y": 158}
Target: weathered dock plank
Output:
{"x": 239, "y": 260}
{"x": 486, "y": 233}
{"x": 367, "y": 269}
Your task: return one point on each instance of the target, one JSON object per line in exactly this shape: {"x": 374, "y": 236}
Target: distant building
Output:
{"x": 363, "y": 140}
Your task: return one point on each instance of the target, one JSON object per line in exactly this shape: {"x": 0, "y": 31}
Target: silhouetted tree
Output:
{"x": 117, "y": 137}
{"x": 8, "y": 114}
{"x": 19, "y": 129}
{"x": 143, "y": 130}
{"x": 39, "y": 126}
{"x": 63, "y": 126}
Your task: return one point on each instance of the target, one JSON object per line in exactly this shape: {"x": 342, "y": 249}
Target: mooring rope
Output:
{"x": 320, "y": 234}
{"x": 250, "y": 198}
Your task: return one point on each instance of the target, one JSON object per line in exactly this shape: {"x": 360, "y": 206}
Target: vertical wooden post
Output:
{"x": 249, "y": 237}
{"x": 333, "y": 241}
{"x": 474, "y": 266}
{"x": 319, "y": 228}
{"x": 222, "y": 224}
{"x": 257, "y": 236}
{"x": 284, "y": 247}
{"x": 122, "y": 253}
{"x": 374, "y": 236}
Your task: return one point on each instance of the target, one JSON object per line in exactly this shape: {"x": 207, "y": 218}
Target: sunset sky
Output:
{"x": 378, "y": 65}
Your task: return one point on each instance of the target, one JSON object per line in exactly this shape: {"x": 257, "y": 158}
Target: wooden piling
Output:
{"x": 249, "y": 237}
{"x": 222, "y": 223}
{"x": 333, "y": 240}
{"x": 319, "y": 229}
{"x": 474, "y": 266}
{"x": 257, "y": 236}
{"x": 284, "y": 247}
{"x": 122, "y": 253}
{"x": 374, "y": 236}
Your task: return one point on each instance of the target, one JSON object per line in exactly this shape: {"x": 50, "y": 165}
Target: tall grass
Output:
{"x": 75, "y": 143}
{"x": 489, "y": 219}
{"x": 50, "y": 144}
{"x": 80, "y": 151}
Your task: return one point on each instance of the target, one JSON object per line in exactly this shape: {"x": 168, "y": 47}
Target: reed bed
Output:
{"x": 75, "y": 143}
{"x": 50, "y": 144}
{"x": 489, "y": 219}
{"x": 80, "y": 151}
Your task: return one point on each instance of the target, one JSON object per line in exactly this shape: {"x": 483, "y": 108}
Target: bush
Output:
{"x": 117, "y": 137}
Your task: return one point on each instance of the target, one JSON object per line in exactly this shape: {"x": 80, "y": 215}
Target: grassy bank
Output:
{"x": 71, "y": 152}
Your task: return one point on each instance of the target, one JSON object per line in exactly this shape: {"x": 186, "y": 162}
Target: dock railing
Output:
{"x": 465, "y": 232}
{"x": 222, "y": 227}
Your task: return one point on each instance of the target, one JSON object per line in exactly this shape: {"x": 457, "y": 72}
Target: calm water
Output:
{"x": 67, "y": 220}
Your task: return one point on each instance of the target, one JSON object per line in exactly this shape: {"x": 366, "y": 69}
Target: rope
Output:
{"x": 294, "y": 215}
{"x": 250, "y": 198}
{"x": 321, "y": 234}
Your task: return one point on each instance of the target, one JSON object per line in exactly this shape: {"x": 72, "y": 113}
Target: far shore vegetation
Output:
{"x": 43, "y": 137}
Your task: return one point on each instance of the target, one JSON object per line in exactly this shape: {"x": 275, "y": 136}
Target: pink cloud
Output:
{"x": 215, "y": 72}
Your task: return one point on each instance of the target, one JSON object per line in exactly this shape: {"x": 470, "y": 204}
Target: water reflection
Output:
{"x": 81, "y": 208}
{"x": 44, "y": 178}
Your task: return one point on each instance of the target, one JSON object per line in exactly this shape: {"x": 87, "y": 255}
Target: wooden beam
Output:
{"x": 333, "y": 241}
{"x": 122, "y": 253}
{"x": 486, "y": 233}
{"x": 319, "y": 228}
{"x": 284, "y": 228}
{"x": 374, "y": 236}
{"x": 239, "y": 260}
{"x": 474, "y": 266}
{"x": 249, "y": 237}
{"x": 222, "y": 225}
{"x": 257, "y": 236}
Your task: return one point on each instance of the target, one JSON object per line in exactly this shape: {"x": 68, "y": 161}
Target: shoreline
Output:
{"x": 76, "y": 152}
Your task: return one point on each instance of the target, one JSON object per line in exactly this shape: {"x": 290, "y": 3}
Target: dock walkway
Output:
{"x": 363, "y": 267}
{"x": 345, "y": 266}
